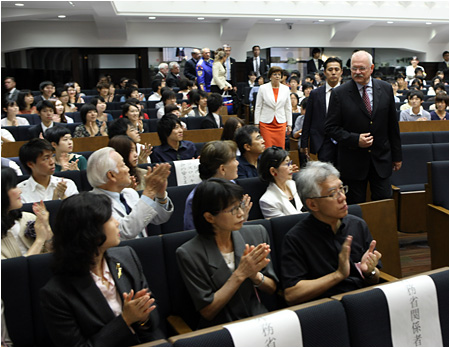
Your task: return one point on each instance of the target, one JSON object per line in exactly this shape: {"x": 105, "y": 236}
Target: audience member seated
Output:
{"x": 168, "y": 97}
{"x": 63, "y": 96}
{"x": 199, "y": 102}
{"x": 46, "y": 110}
{"x": 394, "y": 85}
{"x": 313, "y": 263}
{"x": 173, "y": 147}
{"x": 185, "y": 87}
{"x": 25, "y": 101}
{"x": 435, "y": 81}
{"x": 74, "y": 95}
{"x": 213, "y": 119}
{"x": 230, "y": 128}
{"x": 416, "y": 112}
{"x": 281, "y": 197}
{"x": 173, "y": 76}
{"x": 8, "y": 163}
{"x": 60, "y": 114}
{"x": 217, "y": 160}
{"x": 91, "y": 127}
{"x": 175, "y": 110}
{"x": 251, "y": 146}
{"x": 78, "y": 89}
{"x": 131, "y": 111}
{"x": 441, "y": 102}
{"x": 417, "y": 82}
{"x": 251, "y": 79}
{"x": 130, "y": 92}
{"x": 47, "y": 89}
{"x": 123, "y": 126}
{"x": 103, "y": 89}
{"x": 37, "y": 156}
{"x": 402, "y": 83}
{"x": 99, "y": 295}
{"x": 410, "y": 69}
{"x": 157, "y": 84}
{"x": 306, "y": 88}
{"x": 298, "y": 126}
{"x": 11, "y": 110}
{"x": 100, "y": 105}
{"x": 132, "y": 83}
{"x": 136, "y": 102}
{"x": 126, "y": 148}
{"x": 226, "y": 264}
{"x": 61, "y": 140}
{"x": 294, "y": 82}
{"x": 108, "y": 175}
{"x": 294, "y": 103}
{"x": 23, "y": 233}
{"x": 255, "y": 88}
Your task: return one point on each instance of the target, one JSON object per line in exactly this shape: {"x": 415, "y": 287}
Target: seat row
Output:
{"x": 23, "y": 277}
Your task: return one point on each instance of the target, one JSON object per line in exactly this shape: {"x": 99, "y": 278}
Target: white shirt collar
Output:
{"x": 44, "y": 128}
{"x": 361, "y": 86}
{"x": 33, "y": 183}
{"x": 418, "y": 114}
{"x": 329, "y": 88}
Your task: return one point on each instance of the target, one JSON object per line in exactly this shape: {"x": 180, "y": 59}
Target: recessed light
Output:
{"x": 19, "y": 4}
{"x": 321, "y": 20}
{"x": 390, "y": 22}
{"x": 200, "y": 18}
{"x": 151, "y": 17}
{"x": 277, "y": 19}
{"x": 428, "y": 23}
{"x": 62, "y": 16}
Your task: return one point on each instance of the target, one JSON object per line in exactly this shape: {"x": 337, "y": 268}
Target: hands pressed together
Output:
{"x": 137, "y": 307}
{"x": 156, "y": 180}
{"x": 253, "y": 260}
{"x": 60, "y": 190}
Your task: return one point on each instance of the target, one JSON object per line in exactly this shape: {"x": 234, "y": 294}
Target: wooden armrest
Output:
{"x": 395, "y": 188}
{"x": 439, "y": 208}
{"x": 387, "y": 277}
{"x": 178, "y": 324}
{"x": 294, "y": 139}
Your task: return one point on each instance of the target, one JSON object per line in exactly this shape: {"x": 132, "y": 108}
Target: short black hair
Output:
{"x": 439, "y": 85}
{"x": 119, "y": 127}
{"x": 132, "y": 82}
{"x": 444, "y": 53}
{"x": 378, "y": 74}
{"x": 315, "y": 50}
{"x": 168, "y": 95}
{"x": 306, "y": 85}
{"x": 169, "y": 108}
{"x": 96, "y": 99}
{"x": 126, "y": 107}
{"x": 195, "y": 95}
{"x": 29, "y": 152}
{"x": 165, "y": 126}
{"x": 130, "y": 90}
{"x": 85, "y": 109}
{"x": 417, "y": 94}
{"x": 75, "y": 245}
{"x": 213, "y": 196}
{"x": 295, "y": 78}
{"x": 244, "y": 136}
{"x": 441, "y": 97}
{"x": 183, "y": 84}
{"x": 155, "y": 84}
{"x": 45, "y": 104}
{"x": 43, "y": 84}
{"x": 55, "y": 133}
{"x": 416, "y": 70}
{"x": 271, "y": 157}
{"x": 215, "y": 101}
{"x": 304, "y": 102}
{"x": 253, "y": 48}
{"x": 399, "y": 76}
{"x": 332, "y": 60}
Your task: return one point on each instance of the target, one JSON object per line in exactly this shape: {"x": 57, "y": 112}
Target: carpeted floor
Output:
{"x": 414, "y": 253}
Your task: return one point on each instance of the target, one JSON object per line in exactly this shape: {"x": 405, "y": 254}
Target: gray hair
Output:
{"x": 173, "y": 65}
{"x": 311, "y": 177}
{"x": 367, "y": 54}
{"x": 98, "y": 166}
{"x": 163, "y": 66}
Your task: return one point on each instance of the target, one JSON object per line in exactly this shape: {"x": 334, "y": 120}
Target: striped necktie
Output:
{"x": 366, "y": 100}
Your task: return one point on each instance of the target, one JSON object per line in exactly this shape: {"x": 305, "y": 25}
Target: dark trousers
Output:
{"x": 328, "y": 152}
{"x": 357, "y": 189}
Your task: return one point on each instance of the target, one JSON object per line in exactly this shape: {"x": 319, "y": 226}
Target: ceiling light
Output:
{"x": 151, "y": 17}
{"x": 200, "y": 18}
{"x": 390, "y": 22}
{"x": 277, "y": 19}
{"x": 62, "y": 16}
{"x": 19, "y": 4}
{"x": 71, "y": 4}
{"x": 428, "y": 23}
{"x": 321, "y": 20}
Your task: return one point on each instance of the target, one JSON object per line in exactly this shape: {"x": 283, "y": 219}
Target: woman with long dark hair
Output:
{"x": 25, "y": 101}
{"x": 99, "y": 295}
{"x": 23, "y": 233}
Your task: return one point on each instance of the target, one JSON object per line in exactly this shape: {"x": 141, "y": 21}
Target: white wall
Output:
{"x": 23, "y": 35}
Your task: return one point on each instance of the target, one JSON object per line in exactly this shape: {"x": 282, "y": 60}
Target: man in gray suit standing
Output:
{"x": 108, "y": 174}
{"x": 11, "y": 91}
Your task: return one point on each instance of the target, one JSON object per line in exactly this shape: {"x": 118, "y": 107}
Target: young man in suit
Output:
{"x": 47, "y": 89}
{"x": 256, "y": 63}
{"x": 213, "y": 119}
{"x": 46, "y": 111}
{"x": 315, "y": 64}
{"x": 313, "y": 131}
{"x": 363, "y": 120}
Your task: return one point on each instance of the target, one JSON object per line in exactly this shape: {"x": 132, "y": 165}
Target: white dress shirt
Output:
{"x": 35, "y": 192}
{"x": 328, "y": 90}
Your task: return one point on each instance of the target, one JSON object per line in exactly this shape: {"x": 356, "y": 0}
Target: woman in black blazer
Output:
{"x": 99, "y": 295}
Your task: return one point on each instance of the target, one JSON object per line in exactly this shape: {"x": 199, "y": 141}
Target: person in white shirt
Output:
{"x": 416, "y": 112}
{"x": 46, "y": 110}
{"x": 37, "y": 156}
{"x": 108, "y": 174}
{"x": 410, "y": 70}
{"x": 12, "y": 109}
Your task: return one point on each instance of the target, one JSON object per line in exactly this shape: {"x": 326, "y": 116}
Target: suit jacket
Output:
{"x": 262, "y": 66}
{"x": 311, "y": 67}
{"x": 275, "y": 203}
{"x": 314, "y": 123}
{"x": 77, "y": 314}
{"x": 34, "y": 131}
{"x": 189, "y": 69}
{"x": 442, "y": 66}
{"x": 172, "y": 80}
{"x": 233, "y": 71}
{"x": 131, "y": 225}
{"x": 13, "y": 96}
{"x": 348, "y": 118}
{"x": 210, "y": 122}
{"x": 266, "y": 108}
{"x": 219, "y": 76}
{"x": 204, "y": 272}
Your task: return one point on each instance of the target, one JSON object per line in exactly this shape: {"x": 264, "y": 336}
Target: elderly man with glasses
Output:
{"x": 329, "y": 252}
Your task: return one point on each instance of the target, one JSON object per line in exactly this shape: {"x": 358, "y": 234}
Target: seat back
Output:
{"x": 440, "y": 186}
{"x": 73, "y": 175}
{"x": 178, "y": 195}
{"x": 193, "y": 122}
{"x": 440, "y": 137}
{"x": 17, "y": 160}
{"x": 52, "y": 207}
{"x": 440, "y": 151}
{"x": 255, "y": 188}
{"x": 441, "y": 281}
{"x": 215, "y": 338}
{"x": 416, "y": 138}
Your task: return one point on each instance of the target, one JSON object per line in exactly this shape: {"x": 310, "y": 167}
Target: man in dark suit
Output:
{"x": 173, "y": 77}
{"x": 213, "y": 119}
{"x": 256, "y": 63}
{"x": 316, "y": 110}
{"x": 189, "y": 68}
{"x": 11, "y": 91}
{"x": 46, "y": 111}
{"x": 363, "y": 120}
{"x": 443, "y": 66}
{"x": 47, "y": 89}
{"x": 315, "y": 64}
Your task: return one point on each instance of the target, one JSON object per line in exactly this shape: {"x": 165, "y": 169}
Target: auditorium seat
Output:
{"x": 416, "y": 138}
{"x": 15, "y": 131}
{"x": 73, "y": 175}
{"x": 255, "y": 188}
{"x": 151, "y": 112}
{"x": 52, "y": 208}
{"x": 32, "y": 119}
{"x": 152, "y": 103}
{"x": 17, "y": 160}
{"x": 440, "y": 151}
{"x": 178, "y": 195}
{"x": 152, "y": 122}
{"x": 440, "y": 137}
{"x": 193, "y": 122}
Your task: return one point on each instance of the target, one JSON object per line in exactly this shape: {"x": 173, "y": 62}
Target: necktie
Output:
{"x": 257, "y": 67}
{"x": 366, "y": 100}
{"x": 124, "y": 202}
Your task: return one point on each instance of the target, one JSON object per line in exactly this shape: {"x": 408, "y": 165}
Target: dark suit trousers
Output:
{"x": 328, "y": 152}
{"x": 357, "y": 189}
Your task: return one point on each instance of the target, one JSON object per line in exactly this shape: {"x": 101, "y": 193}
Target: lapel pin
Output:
{"x": 119, "y": 270}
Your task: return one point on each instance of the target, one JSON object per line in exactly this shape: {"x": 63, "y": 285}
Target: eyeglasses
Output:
{"x": 287, "y": 164}
{"x": 235, "y": 209}
{"x": 360, "y": 68}
{"x": 342, "y": 190}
